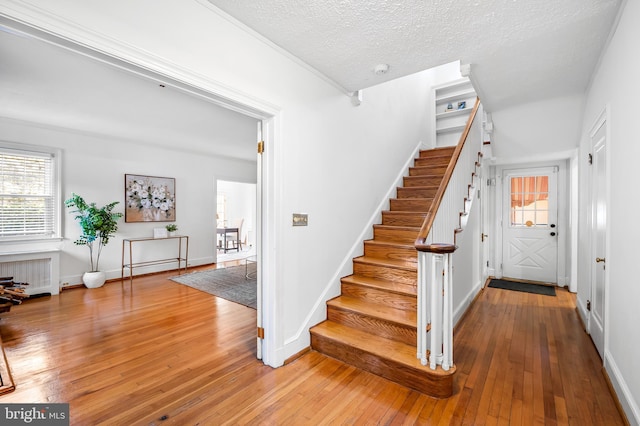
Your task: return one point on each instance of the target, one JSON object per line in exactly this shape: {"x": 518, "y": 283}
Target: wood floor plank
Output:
{"x": 160, "y": 352}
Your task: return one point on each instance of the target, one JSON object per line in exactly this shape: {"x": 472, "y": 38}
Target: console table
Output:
{"x": 182, "y": 240}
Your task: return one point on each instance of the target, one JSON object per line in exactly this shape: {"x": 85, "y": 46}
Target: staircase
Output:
{"x": 372, "y": 324}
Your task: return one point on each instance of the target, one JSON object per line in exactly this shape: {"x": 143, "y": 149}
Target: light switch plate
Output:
{"x": 300, "y": 219}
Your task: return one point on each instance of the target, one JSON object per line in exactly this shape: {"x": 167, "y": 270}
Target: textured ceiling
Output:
{"x": 520, "y": 50}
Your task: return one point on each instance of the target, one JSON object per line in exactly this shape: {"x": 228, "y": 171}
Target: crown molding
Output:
{"x": 221, "y": 13}
{"x": 23, "y": 18}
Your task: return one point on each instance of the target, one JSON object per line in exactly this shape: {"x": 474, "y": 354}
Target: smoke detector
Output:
{"x": 380, "y": 69}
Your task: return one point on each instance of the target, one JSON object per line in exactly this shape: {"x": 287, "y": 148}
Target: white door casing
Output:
{"x": 530, "y": 224}
{"x": 598, "y": 240}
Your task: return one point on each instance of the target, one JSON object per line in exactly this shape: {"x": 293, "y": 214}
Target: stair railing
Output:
{"x": 436, "y": 244}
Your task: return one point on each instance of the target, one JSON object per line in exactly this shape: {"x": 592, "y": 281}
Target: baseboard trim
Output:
{"x": 461, "y": 310}
{"x": 622, "y": 395}
{"x": 616, "y": 400}
{"x": 297, "y": 355}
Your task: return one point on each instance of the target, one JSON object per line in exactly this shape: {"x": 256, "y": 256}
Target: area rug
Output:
{"x": 228, "y": 283}
{"x": 524, "y": 287}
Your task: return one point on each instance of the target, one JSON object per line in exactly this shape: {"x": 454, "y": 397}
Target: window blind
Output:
{"x": 27, "y": 194}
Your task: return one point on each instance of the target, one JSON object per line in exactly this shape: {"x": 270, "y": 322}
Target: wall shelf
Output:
{"x": 449, "y": 124}
{"x": 453, "y": 113}
{"x": 455, "y": 96}
{"x": 450, "y": 129}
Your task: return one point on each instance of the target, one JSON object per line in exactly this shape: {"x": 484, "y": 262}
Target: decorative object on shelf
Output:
{"x": 449, "y": 107}
{"x": 160, "y": 233}
{"x": 171, "y": 229}
{"x": 98, "y": 225}
{"x": 462, "y": 105}
{"x": 149, "y": 198}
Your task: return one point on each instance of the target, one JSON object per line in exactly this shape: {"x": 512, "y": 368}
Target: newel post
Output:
{"x": 435, "y": 305}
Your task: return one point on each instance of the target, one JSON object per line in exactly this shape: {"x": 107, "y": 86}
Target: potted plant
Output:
{"x": 171, "y": 229}
{"x": 98, "y": 225}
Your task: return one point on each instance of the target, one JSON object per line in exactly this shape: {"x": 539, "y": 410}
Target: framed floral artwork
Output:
{"x": 149, "y": 199}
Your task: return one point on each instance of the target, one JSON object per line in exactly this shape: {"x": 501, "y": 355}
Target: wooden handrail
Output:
{"x": 420, "y": 242}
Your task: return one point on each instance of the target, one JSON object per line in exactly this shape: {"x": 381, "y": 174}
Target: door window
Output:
{"x": 529, "y": 202}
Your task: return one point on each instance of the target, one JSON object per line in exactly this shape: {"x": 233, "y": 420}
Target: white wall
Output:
{"x": 327, "y": 158}
{"x": 536, "y": 130}
{"x": 467, "y": 270}
{"x": 616, "y": 84}
{"x": 94, "y": 167}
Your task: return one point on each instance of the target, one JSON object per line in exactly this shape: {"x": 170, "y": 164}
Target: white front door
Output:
{"x": 599, "y": 217}
{"x": 529, "y": 224}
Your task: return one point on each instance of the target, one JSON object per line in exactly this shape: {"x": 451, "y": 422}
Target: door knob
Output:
{"x": 553, "y": 225}
{"x": 553, "y": 234}
{"x": 600, "y": 259}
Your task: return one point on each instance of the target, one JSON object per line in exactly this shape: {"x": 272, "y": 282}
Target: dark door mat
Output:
{"x": 524, "y": 287}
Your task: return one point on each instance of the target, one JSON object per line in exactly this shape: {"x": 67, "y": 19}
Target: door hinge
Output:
{"x": 588, "y": 305}
{"x": 260, "y": 147}
{"x": 260, "y": 332}
{"x": 590, "y": 159}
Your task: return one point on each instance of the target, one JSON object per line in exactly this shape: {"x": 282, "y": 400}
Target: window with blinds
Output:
{"x": 28, "y": 206}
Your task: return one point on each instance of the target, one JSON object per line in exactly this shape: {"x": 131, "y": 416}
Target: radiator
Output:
{"x": 39, "y": 269}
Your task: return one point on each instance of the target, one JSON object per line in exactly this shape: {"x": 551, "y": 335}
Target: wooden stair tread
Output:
{"x": 389, "y": 263}
{"x": 390, "y": 244}
{"x": 386, "y": 285}
{"x": 399, "y": 227}
{"x": 434, "y": 187}
{"x": 441, "y": 150}
{"x": 405, "y": 318}
{"x": 414, "y": 199}
{"x": 418, "y": 170}
{"x": 374, "y": 344}
{"x": 435, "y": 176}
{"x": 404, "y": 212}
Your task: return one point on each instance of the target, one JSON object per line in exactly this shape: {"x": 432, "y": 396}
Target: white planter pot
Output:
{"x": 94, "y": 279}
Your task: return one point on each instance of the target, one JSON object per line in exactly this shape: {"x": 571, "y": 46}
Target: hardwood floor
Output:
{"x": 165, "y": 353}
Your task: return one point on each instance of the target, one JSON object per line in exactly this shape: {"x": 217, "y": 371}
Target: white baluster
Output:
{"x": 423, "y": 318}
{"x": 436, "y": 312}
{"x": 447, "y": 328}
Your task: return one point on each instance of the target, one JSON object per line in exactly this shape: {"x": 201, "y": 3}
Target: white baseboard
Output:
{"x": 113, "y": 274}
{"x": 629, "y": 404}
{"x": 582, "y": 311}
{"x": 459, "y": 311}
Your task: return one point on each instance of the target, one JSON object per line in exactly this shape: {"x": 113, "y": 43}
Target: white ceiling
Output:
{"x": 43, "y": 83}
{"x": 520, "y": 50}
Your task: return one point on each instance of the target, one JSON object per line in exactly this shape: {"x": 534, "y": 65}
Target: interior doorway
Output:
{"x": 235, "y": 209}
